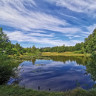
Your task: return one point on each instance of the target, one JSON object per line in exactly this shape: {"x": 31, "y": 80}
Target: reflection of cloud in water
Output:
{"x": 50, "y": 64}
{"x": 62, "y": 82}
{"x": 55, "y": 75}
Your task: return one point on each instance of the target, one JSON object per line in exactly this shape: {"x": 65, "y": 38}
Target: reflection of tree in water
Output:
{"x": 33, "y": 61}
{"x": 91, "y": 66}
{"x": 79, "y": 60}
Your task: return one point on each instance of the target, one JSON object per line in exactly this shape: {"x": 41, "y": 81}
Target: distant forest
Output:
{"x": 88, "y": 46}
{"x": 6, "y": 47}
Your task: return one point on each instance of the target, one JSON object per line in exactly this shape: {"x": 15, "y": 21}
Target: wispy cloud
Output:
{"x": 85, "y": 6}
{"x": 21, "y": 37}
{"x": 44, "y": 24}
{"x": 15, "y": 14}
{"x": 90, "y": 30}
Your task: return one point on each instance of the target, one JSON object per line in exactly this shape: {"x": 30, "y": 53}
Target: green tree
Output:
{"x": 90, "y": 42}
{"x": 33, "y": 49}
{"x": 3, "y": 41}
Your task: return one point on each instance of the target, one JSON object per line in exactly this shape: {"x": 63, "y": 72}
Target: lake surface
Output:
{"x": 54, "y": 74}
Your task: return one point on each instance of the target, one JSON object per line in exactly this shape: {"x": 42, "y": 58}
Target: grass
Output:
{"x": 27, "y": 56}
{"x": 30, "y": 56}
{"x": 17, "y": 91}
{"x": 63, "y": 54}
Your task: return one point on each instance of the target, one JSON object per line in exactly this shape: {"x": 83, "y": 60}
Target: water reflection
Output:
{"x": 79, "y": 60}
{"x": 91, "y": 67}
{"x": 56, "y": 74}
{"x": 33, "y": 61}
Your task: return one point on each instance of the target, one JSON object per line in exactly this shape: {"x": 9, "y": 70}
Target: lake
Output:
{"x": 53, "y": 74}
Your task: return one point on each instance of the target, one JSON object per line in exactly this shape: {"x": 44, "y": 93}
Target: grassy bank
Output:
{"x": 17, "y": 91}
{"x": 63, "y": 54}
{"x": 41, "y": 55}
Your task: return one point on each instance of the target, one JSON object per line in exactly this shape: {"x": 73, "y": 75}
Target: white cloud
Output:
{"x": 21, "y": 37}
{"x": 90, "y": 30}
{"x": 85, "y": 6}
{"x": 22, "y": 18}
{"x": 41, "y": 35}
{"x": 15, "y": 14}
{"x": 70, "y": 30}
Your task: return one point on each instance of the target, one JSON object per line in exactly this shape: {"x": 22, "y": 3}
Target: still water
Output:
{"x": 54, "y": 74}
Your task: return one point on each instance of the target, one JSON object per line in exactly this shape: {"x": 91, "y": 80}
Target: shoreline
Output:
{"x": 64, "y": 54}
{"x": 14, "y": 90}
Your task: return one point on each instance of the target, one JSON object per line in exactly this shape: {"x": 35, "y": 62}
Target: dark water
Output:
{"x": 55, "y": 74}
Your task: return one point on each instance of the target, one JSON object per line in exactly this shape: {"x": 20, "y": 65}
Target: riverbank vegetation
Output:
{"x": 17, "y": 91}
{"x": 6, "y": 68}
{"x": 88, "y": 46}
{"x": 7, "y": 48}
{"x": 63, "y": 54}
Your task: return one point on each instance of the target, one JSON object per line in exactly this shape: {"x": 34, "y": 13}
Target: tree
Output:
{"x": 7, "y": 48}
{"x": 33, "y": 49}
{"x": 90, "y": 43}
{"x": 4, "y": 41}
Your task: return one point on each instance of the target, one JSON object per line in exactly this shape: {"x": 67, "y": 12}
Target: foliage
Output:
{"x": 4, "y": 41}
{"x": 6, "y": 68}
{"x": 91, "y": 66}
{"x": 78, "y": 47}
{"x": 14, "y": 49}
{"x": 17, "y": 91}
{"x": 88, "y": 46}
{"x": 90, "y": 43}
{"x": 75, "y": 53}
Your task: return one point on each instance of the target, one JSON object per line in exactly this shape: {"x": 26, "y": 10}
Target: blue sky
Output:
{"x": 47, "y": 23}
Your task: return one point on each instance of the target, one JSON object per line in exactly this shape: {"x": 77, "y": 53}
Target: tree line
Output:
{"x": 78, "y": 47}
{"x": 88, "y": 46}
{"x": 6, "y": 47}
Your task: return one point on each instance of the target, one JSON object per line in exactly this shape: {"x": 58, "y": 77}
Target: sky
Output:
{"x": 47, "y": 23}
